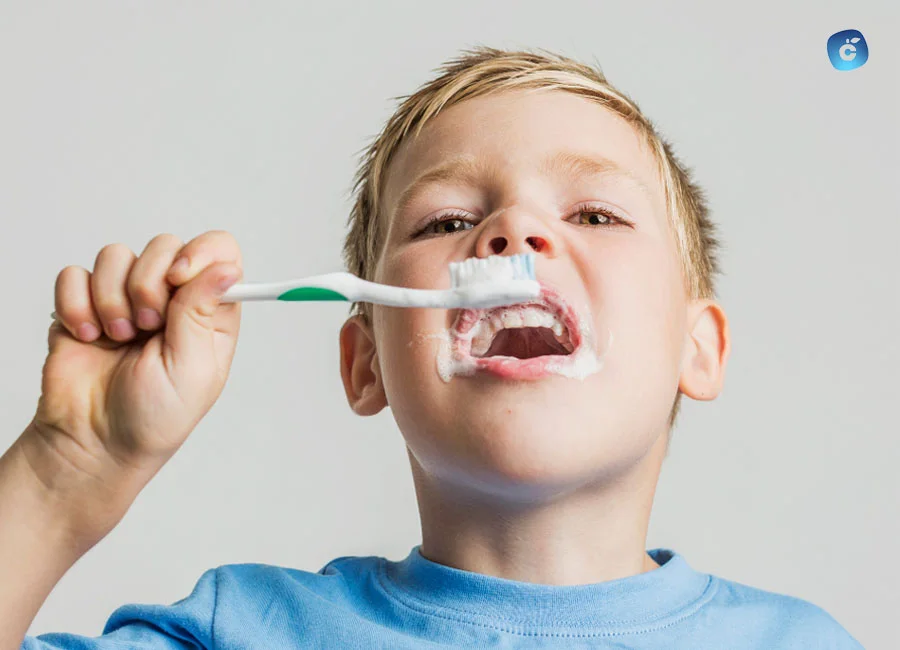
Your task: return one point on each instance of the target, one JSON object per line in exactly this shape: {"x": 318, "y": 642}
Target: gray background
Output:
{"x": 120, "y": 120}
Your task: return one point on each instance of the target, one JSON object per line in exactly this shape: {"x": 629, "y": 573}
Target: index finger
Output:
{"x": 202, "y": 251}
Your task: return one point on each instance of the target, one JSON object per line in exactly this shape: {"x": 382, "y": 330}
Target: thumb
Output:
{"x": 200, "y": 330}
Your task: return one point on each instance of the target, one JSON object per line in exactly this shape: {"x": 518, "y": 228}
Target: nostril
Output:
{"x": 498, "y": 244}
{"x": 537, "y": 243}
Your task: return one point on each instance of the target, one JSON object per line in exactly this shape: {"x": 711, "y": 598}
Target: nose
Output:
{"x": 515, "y": 231}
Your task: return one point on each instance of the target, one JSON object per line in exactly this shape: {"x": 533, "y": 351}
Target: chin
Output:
{"x": 531, "y": 443}
{"x": 526, "y": 452}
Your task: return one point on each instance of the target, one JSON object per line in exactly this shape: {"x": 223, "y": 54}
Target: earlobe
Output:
{"x": 360, "y": 371}
{"x": 707, "y": 347}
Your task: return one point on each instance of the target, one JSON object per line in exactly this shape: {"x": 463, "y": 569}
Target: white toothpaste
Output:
{"x": 585, "y": 361}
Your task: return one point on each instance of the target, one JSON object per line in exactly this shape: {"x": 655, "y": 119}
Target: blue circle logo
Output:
{"x": 847, "y": 50}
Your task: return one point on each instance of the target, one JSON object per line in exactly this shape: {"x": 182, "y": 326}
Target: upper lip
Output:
{"x": 550, "y": 298}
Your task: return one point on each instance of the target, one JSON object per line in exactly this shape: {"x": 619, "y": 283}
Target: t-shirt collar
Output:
{"x": 640, "y": 598}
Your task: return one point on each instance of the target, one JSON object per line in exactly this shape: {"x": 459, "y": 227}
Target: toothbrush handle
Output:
{"x": 346, "y": 287}
{"x": 331, "y": 286}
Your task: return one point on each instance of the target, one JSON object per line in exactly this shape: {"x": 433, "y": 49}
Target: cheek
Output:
{"x": 642, "y": 299}
{"x": 417, "y": 267}
{"x": 408, "y": 341}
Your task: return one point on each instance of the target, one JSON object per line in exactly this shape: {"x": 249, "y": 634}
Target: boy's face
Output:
{"x": 523, "y": 173}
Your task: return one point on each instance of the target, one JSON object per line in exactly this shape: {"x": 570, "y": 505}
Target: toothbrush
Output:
{"x": 476, "y": 283}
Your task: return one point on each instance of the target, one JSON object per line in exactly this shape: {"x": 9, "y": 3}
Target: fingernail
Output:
{"x": 226, "y": 281}
{"x": 121, "y": 328}
{"x": 180, "y": 265}
{"x": 88, "y": 332}
{"x": 148, "y": 319}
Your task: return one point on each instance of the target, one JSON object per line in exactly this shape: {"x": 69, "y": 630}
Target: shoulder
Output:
{"x": 337, "y": 580}
{"x": 232, "y": 604}
{"x": 782, "y": 620}
{"x": 345, "y": 568}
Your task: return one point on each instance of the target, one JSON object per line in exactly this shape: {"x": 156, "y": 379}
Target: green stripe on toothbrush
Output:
{"x": 311, "y": 293}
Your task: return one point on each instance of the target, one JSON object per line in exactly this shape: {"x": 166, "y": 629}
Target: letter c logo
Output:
{"x": 847, "y": 52}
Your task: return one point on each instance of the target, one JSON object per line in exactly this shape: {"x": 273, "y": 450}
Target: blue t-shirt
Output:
{"x": 371, "y": 602}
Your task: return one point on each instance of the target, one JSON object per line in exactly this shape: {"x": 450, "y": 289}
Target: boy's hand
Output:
{"x": 140, "y": 353}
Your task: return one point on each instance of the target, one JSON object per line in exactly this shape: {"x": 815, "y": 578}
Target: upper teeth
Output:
{"x": 511, "y": 318}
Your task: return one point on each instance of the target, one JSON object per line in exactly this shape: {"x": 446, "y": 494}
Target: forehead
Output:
{"x": 525, "y": 132}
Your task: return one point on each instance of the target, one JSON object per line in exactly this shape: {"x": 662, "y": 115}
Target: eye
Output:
{"x": 592, "y": 215}
{"x": 447, "y": 224}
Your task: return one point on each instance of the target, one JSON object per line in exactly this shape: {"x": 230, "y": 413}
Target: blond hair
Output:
{"x": 485, "y": 70}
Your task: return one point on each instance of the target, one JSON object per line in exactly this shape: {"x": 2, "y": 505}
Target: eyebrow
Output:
{"x": 459, "y": 170}
{"x": 466, "y": 170}
{"x": 571, "y": 163}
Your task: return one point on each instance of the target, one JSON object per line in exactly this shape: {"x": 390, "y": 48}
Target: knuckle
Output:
{"x": 68, "y": 274}
{"x": 114, "y": 251}
{"x": 143, "y": 293}
{"x": 108, "y": 307}
{"x": 163, "y": 243}
{"x": 218, "y": 245}
{"x": 166, "y": 239}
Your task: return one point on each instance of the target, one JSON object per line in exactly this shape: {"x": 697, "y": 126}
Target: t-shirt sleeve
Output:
{"x": 187, "y": 623}
{"x": 823, "y": 632}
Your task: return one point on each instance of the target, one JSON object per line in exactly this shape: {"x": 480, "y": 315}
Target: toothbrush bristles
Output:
{"x": 493, "y": 269}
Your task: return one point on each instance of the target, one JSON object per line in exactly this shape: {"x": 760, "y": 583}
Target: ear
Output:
{"x": 360, "y": 370}
{"x": 706, "y": 351}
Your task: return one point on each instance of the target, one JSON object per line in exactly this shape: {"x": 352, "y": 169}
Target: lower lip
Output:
{"x": 523, "y": 369}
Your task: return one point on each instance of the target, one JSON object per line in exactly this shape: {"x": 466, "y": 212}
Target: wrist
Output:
{"x": 55, "y": 504}
{"x": 30, "y": 510}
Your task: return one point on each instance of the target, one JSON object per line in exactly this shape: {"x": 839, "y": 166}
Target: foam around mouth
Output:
{"x": 523, "y": 341}
{"x": 521, "y": 331}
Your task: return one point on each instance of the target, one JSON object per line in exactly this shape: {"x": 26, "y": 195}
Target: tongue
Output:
{"x": 525, "y": 343}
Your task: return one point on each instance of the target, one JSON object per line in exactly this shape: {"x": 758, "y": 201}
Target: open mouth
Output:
{"x": 521, "y": 331}
{"x": 528, "y": 341}
{"x": 524, "y": 341}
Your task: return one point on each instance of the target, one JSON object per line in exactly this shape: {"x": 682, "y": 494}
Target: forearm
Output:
{"x": 36, "y": 546}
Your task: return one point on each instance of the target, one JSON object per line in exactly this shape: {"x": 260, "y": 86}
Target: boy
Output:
{"x": 535, "y": 434}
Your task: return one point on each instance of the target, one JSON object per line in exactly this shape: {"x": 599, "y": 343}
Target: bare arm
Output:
{"x": 36, "y": 548}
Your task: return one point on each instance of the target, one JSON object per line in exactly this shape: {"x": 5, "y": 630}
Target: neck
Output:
{"x": 590, "y": 533}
